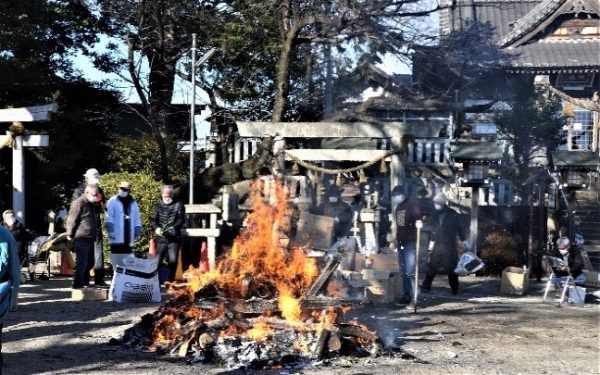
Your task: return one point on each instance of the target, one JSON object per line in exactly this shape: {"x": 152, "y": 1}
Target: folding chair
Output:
{"x": 564, "y": 281}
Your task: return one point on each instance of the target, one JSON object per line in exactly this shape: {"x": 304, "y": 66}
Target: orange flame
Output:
{"x": 258, "y": 257}
{"x": 260, "y": 331}
{"x": 259, "y": 264}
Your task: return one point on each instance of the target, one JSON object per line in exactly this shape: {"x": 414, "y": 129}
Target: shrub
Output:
{"x": 145, "y": 190}
{"x": 499, "y": 251}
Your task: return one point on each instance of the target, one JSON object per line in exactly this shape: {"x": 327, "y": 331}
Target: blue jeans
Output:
{"x": 559, "y": 282}
{"x": 84, "y": 249}
{"x": 407, "y": 260}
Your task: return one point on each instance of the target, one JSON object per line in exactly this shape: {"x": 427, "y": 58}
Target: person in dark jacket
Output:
{"x": 92, "y": 177}
{"x": 336, "y": 208}
{"x": 168, "y": 217}
{"x": 444, "y": 255}
{"x": 573, "y": 259}
{"x": 18, "y": 230}
{"x": 406, "y": 213}
{"x": 82, "y": 229}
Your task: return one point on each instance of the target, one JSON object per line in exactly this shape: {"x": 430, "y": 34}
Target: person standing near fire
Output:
{"x": 444, "y": 254}
{"x": 406, "y": 213}
{"x": 82, "y": 230}
{"x": 10, "y": 278}
{"x": 92, "y": 177}
{"x": 167, "y": 220}
{"x": 336, "y": 208}
{"x": 123, "y": 224}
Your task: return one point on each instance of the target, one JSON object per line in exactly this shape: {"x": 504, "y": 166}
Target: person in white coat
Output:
{"x": 123, "y": 224}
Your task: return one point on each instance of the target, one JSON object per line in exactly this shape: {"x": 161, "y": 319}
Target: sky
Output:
{"x": 182, "y": 89}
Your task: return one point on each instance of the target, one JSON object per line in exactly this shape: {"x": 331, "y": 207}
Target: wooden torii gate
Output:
{"x": 24, "y": 114}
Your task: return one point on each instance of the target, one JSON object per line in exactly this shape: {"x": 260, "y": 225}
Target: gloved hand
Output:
{"x": 137, "y": 231}
{"x": 336, "y": 219}
{"x": 110, "y": 227}
{"x": 466, "y": 246}
{"x": 172, "y": 232}
{"x": 158, "y": 232}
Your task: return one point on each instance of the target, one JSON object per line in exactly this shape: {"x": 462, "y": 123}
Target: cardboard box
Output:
{"x": 385, "y": 286}
{"x": 62, "y": 263}
{"x": 514, "y": 281}
{"x": 396, "y": 285}
{"x": 89, "y": 294}
{"x": 593, "y": 279}
{"x": 376, "y": 277}
{"x": 351, "y": 275}
{"x": 383, "y": 262}
{"x": 378, "y": 294}
{"x": 314, "y": 231}
{"x": 359, "y": 262}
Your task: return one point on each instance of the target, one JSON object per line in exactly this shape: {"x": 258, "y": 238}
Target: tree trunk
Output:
{"x": 160, "y": 84}
{"x": 282, "y": 75}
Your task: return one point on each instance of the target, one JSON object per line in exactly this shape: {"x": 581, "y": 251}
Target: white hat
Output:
{"x": 92, "y": 172}
{"x": 92, "y": 176}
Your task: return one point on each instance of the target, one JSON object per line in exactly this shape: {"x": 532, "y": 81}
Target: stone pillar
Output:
{"x": 18, "y": 179}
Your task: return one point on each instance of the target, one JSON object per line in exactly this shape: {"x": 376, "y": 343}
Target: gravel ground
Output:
{"x": 476, "y": 332}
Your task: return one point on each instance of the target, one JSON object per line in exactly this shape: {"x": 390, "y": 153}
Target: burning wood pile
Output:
{"x": 262, "y": 307}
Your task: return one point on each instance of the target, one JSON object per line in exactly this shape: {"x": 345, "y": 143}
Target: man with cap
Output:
{"x": 406, "y": 213}
{"x": 82, "y": 230}
{"x": 123, "y": 223}
{"x": 444, "y": 255}
{"x": 92, "y": 178}
{"x": 336, "y": 208}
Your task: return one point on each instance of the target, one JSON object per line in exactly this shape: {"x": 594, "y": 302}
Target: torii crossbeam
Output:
{"x": 24, "y": 114}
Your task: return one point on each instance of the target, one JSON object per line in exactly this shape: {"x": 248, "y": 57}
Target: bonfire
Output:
{"x": 258, "y": 307}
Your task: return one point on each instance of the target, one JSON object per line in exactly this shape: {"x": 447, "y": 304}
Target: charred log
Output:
{"x": 326, "y": 273}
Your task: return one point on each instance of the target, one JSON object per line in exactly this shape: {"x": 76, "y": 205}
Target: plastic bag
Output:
{"x": 137, "y": 281}
{"x": 468, "y": 263}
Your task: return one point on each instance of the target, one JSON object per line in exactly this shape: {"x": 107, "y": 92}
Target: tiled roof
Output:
{"x": 575, "y": 159}
{"x": 530, "y": 20}
{"x": 500, "y": 14}
{"x": 511, "y": 20}
{"x": 537, "y": 56}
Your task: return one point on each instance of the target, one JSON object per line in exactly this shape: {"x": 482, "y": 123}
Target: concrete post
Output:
{"x": 18, "y": 179}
